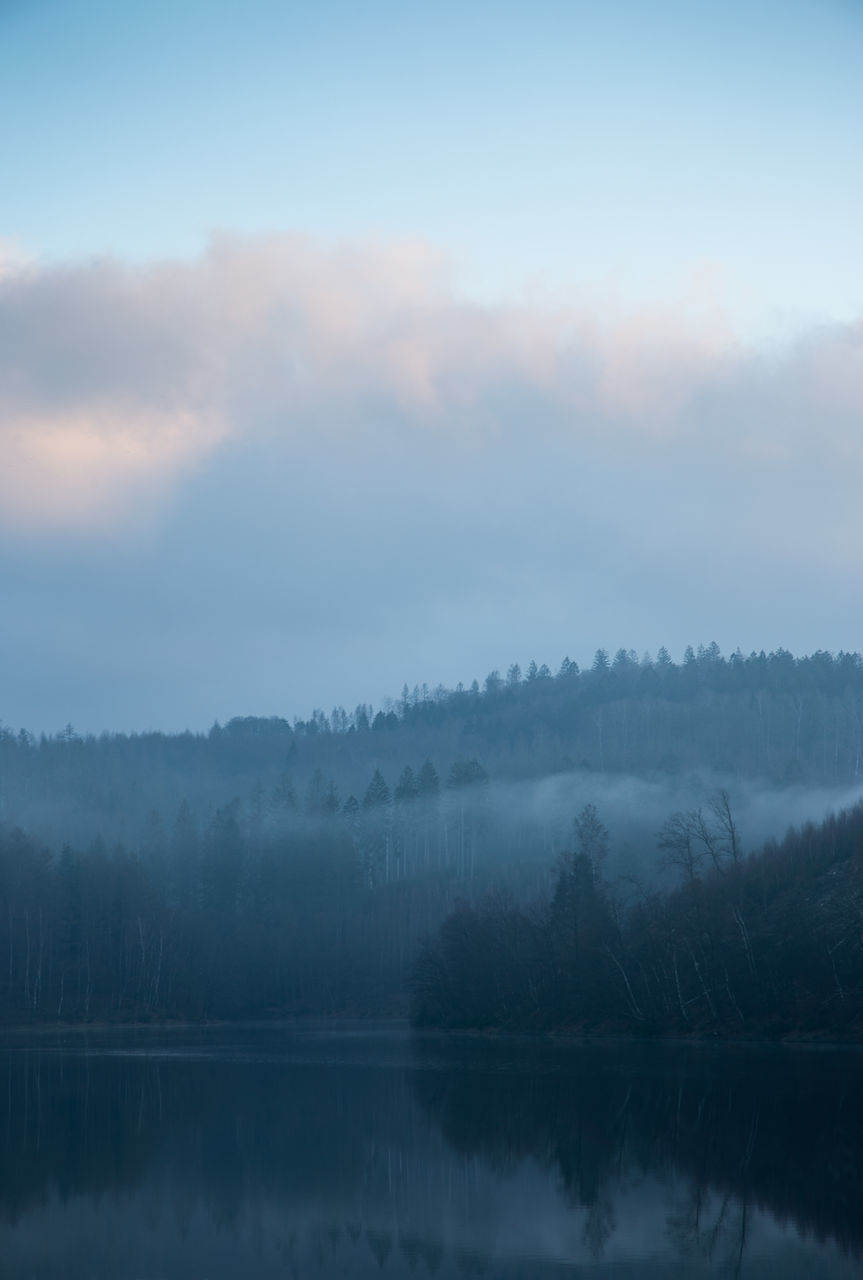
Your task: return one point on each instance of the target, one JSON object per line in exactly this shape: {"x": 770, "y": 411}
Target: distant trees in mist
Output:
{"x": 773, "y": 717}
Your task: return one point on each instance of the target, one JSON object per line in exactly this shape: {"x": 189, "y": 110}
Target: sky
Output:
{"x": 350, "y": 345}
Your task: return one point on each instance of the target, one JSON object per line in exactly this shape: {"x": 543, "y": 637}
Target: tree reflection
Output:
{"x": 420, "y": 1165}
{"x": 782, "y": 1128}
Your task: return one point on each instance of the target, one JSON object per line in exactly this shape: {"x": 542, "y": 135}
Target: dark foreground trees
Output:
{"x": 261, "y": 916}
{"x": 231, "y": 927}
{"x": 264, "y": 909}
{"x": 770, "y": 944}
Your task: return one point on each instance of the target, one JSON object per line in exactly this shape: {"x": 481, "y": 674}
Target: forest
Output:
{"x": 768, "y": 944}
{"x": 269, "y": 868}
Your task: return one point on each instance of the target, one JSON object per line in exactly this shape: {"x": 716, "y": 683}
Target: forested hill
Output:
{"x": 771, "y": 717}
{"x": 273, "y": 867}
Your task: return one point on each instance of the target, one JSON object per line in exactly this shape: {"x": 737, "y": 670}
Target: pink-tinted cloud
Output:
{"x": 116, "y": 380}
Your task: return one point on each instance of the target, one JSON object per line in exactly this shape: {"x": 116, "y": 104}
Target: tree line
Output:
{"x": 772, "y": 716}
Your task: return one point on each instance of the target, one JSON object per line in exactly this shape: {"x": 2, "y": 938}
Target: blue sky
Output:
{"x": 557, "y": 145}
{"x": 433, "y": 337}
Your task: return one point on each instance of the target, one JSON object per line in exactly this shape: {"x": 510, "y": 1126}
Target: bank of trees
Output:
{"x": 252, "y": 918}
{"x": 267, "y": 866}
{"x": 770, "y": 943}
{"x": 278, "y": 906}
{"x": 98, "y": 935}
{"x": 772, "y": 716}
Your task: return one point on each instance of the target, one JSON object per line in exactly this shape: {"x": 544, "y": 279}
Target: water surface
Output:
{"x": 364, "y": 1151}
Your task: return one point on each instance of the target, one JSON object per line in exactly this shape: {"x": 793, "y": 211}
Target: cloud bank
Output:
{"x": 287, "y": 474}
{"x": 115, "y": 381}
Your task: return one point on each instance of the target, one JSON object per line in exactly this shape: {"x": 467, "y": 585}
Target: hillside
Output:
{"x": 773, "y": 718}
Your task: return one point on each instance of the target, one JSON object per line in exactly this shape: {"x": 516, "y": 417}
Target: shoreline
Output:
{"x": 563, "y": 1038}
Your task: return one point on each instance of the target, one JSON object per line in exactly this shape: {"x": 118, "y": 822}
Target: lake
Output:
{"x": 361, "y": 1151}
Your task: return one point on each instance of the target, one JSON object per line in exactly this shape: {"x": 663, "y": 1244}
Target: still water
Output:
{"x": 359, "y": 1152}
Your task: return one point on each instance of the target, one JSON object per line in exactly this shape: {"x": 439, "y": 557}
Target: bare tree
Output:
{"x": 688, "y": 838}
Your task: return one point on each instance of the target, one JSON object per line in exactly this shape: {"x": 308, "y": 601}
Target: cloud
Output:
{"x": 116, "y": 382}
{"x": 286, "y": 475}
{"x": 12, "y": 256}
{"x": 112, "y": 377}
{"x": 83, "y": 467}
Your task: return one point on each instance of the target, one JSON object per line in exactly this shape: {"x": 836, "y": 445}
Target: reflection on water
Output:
{"x": 362, "y": 1153}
